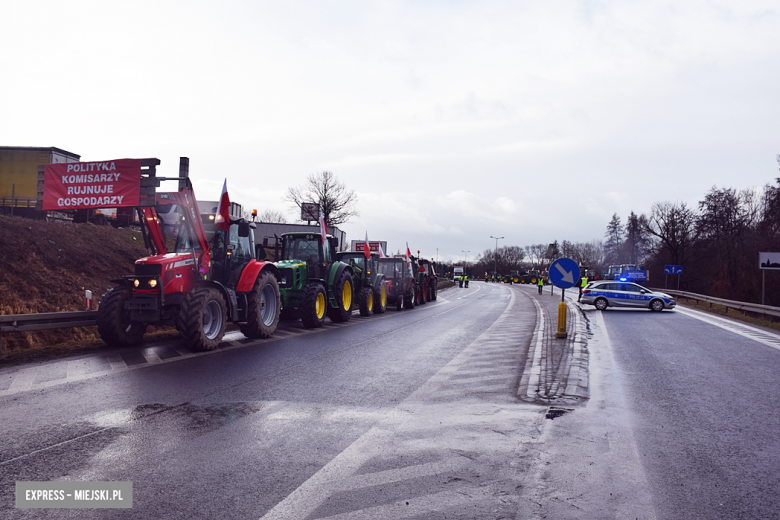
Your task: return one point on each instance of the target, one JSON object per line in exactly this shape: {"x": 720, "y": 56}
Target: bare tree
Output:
{"x": 272, "y": 216}
{"x": 675, "y": 227}
{"x": 336, "y": 201}
{"x": 535, "y": 254}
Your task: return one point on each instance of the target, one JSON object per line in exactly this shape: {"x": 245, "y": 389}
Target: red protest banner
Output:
{"x": 83, "y": 185}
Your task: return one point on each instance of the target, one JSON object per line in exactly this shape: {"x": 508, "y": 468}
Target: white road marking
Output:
{"x": 75, "y": 369}
{"x": 23, "y": 381}
{"x": 746, "y": 331}
{"x": 151, "y": 356}
{"x": 116, "y": 362}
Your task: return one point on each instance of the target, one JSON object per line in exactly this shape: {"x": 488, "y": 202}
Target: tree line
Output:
{"x": 717, "y": 243}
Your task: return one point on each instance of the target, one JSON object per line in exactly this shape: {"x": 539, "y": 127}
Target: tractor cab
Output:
{"x": 306, "y": 248}
{"x": 231, "y": 250}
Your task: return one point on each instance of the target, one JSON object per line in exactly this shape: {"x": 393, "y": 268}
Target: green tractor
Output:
{"x": 530, "y": 277}
{"x": 313, "y": 283}
{"x": 512, "y": 278}
{"x": 369, "y": 283}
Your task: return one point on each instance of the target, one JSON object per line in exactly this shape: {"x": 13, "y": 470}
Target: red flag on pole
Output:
{"x": 222, "y": 218}
{"x": 408, "y": 257}
{"x": 323, "y": 228}
{"x": 381, "y": 251}
{"x": 367, "y": 248}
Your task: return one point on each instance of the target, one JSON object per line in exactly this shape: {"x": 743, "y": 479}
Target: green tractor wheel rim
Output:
{"x": 370, "y": 301}
{"x": 319, "y": 306}
{"x": 383, "y": 296}
{"x": 346, "y": 295}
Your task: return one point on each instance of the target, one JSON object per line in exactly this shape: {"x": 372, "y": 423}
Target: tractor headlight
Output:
{"x": 153, "y": 283}
{"x": 284, "y": 280}
{"x": 136, "y": 282}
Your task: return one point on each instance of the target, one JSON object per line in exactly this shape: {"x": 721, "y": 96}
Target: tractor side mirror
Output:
{"x": 243, "y": 229}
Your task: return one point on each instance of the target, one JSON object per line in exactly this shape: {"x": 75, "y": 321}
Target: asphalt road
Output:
{"x": 239, "y": 432}
{"x": 683, "y": 422}
{"x": 459, "y": 408}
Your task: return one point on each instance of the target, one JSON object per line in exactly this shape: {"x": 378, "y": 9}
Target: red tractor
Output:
{"x": 212, "y": 276}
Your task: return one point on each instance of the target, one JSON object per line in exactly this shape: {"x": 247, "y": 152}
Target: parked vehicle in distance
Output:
{"x": 607, "y": 293}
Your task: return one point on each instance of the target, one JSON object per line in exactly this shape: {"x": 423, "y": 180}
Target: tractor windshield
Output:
{"x": 301, "y": 247}
{"x": 391, "y": 268}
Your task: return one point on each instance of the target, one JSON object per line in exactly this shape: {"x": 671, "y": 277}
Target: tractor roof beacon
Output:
{"x": 210, "y": 278}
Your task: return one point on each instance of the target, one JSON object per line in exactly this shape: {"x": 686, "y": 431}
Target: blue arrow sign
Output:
{"x": 673, "y": 269}
{"x": 564, "y": 273}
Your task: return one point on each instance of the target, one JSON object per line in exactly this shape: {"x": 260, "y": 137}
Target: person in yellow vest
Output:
{"x": 583, "y": 283}
{"x": 540, "y": 283}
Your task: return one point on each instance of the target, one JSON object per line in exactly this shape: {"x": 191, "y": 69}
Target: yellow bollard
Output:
{"x": 561, "y": 333}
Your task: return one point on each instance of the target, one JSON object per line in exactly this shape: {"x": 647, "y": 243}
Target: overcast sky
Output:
{"x": 453, "y": 120}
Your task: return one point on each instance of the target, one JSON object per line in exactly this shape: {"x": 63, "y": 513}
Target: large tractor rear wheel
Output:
{"x": 263, "y": 308}
{"x": 343, "y": 291}
{"x": 113, "y": 322}
{"x": 422, "y": 297}
{"x": 314, "y": 304}
{"x": 202, "y": 319}
{"x": 380, "y": 298}
{"x": 434, "y": 291}
{"x": 366, "y": 301}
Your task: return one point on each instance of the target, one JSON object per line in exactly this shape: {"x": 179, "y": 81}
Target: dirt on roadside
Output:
{"x": 47, "y": 266}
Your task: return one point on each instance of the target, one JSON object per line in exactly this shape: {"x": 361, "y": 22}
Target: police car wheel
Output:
{"x": 656, "y": 305}
{"x": 601, "y": 304}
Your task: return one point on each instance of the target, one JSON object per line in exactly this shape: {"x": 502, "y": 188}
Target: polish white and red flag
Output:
{"x": 381, "y": 251}
{"x": 367, "y": 248}
{"x": 323, "y": 228}
{"x": 222, "y": 218}
{"x": 408, "y": 257}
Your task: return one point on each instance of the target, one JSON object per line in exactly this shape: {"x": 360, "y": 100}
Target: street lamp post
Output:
{"x": 465, "y": 254}
{"x": 495, "y": 264}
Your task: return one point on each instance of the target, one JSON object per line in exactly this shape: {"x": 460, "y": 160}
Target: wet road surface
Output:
{"x": 462, "y": 408}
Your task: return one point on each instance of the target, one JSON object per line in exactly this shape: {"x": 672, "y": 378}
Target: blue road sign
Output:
{"x": 634, "y": 276}
{"x": 673, "y": 269}
{"x": 564, "y": 273}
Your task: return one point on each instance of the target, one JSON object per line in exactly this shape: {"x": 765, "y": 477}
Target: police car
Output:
{"x": 613, "y": 293}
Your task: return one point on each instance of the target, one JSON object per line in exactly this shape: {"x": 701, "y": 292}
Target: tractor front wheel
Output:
{"x": 366, "y": 301}
{"x": 113, "y": 321}
{"x": 202, "y": 319}
{"x": 263, "y": 308}
{"x": 314, "y": 304}
{"x": 380, "y": 298}
{"x": 411, "y": 297}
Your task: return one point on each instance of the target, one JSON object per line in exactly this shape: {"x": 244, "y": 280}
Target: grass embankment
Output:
{"x": 46, "y": 267}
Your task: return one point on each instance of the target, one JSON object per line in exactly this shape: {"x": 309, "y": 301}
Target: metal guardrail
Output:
{"x": 766, "y": 310}
{"x": 46, "y": 320}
